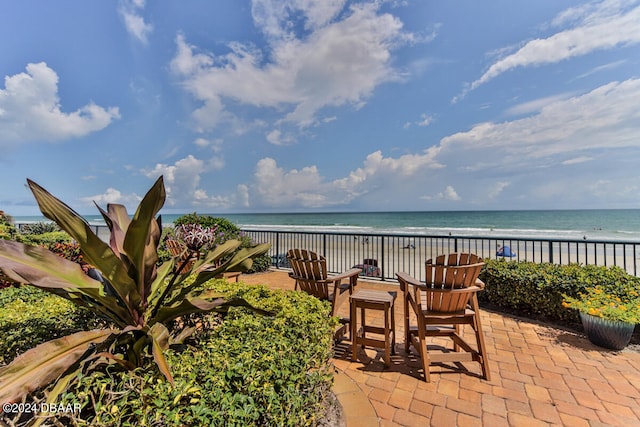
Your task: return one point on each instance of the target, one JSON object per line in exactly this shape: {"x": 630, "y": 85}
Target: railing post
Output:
{"x": 455, "y": 244}
{"x": 277, "y": 249}
{"x": 550, "y": 252}
{"x": 382, "y": 273}
{"x": 324, "y": 244}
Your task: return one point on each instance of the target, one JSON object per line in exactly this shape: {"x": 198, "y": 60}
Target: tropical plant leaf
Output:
{"x": 40, "y": 365}
{"x": 95, "y": 251}
{"x": 236, "y": 263}
{"x": 117, "y": 219}
{"x": 159, "y": 342}
{"x": 41, "y": 267}
{"x": 142, "y": 238}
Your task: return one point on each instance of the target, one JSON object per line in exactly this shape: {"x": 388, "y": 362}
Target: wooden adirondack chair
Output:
{"x": 310, "y": 274}
{"x": 446, "y": 302}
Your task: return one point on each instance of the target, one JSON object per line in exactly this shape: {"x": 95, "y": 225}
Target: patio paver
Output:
{"x": 541, "y": 376}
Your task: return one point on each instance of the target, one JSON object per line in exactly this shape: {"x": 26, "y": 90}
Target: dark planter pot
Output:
{"x": 611, "y": 334}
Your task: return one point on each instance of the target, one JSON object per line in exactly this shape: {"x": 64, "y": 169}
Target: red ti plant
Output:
{"x": 138, "y": 297}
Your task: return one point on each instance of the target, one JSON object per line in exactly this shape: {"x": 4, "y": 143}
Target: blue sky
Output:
{"x": 322, "y": 105}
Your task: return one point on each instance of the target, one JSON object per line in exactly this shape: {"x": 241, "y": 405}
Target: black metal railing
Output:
{"x": 406, "y": 252}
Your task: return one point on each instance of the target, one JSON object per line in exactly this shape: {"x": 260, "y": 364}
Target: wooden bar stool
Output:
{"x": 373, "y": 300}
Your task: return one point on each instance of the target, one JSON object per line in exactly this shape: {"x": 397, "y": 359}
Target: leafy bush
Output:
{"x": 39, "y": 228}
{"x": 261, "y": 263}
{"x": 7, "y": 229}
{"x": 225, "y": 230}
{"x": 30, "y": 316}
{"x": 247, "y": 370}
{"x": 538, "y": 289}
{"x": 46, "y": 240}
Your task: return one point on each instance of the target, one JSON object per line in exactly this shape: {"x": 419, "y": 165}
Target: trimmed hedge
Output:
{"x": 536, "y": 289}
{"x": 30, "y": 316}
{"x": 248, "y": 369}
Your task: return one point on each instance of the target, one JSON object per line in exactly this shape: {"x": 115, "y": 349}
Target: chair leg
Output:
{"x": 482, "y": 348}
{"x": 424, "y": 354}
{"x": 407, "y": 334}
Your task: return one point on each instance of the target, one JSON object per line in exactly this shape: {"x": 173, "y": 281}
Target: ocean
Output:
{"x": 602, "y": 224}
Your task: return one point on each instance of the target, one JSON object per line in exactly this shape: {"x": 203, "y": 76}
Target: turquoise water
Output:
{"x": 623, "y": 224}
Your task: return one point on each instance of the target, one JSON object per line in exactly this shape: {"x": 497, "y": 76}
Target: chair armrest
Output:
{"x": 406, "y": 279}
{"x": 346, "y": 275}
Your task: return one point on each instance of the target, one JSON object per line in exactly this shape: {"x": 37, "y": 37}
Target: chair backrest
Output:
{"x": 451, "y": 280}
{"x": 310, "y": 272}
{"x": 453, "y": 271}
{"x": 175, "y": 248}
{"x": 179, "y": 251}
{"x": 307, "y": 264}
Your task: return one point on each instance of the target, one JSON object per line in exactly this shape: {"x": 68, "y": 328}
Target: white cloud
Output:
{"x": 133, "y": 21}
{"x": 306, "y": 187}
{"x": 181, "y": 179}
{"x": 608, "y": 117}
{"x": 565, "y": 131}
{"x": 30, "y": 110}
{"x": 113, "y": 196}
{"x": 448, "y": 194}
{"x": 497, "y": 189}
{"x": 182, "y": 182}
{"x": 274, "y": 17}
{"x": 577, "y": 160}
{"x": 215, "y": 145}
{"x": 342, "y": 57}
{"x": 536, "y": 105}
{"x": 276, "y": 137}
{"x": 596, "y": 26}
{"x": 425, "y": 120}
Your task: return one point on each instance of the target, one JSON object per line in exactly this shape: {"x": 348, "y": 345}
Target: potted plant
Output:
{"x": 608, "y": 318}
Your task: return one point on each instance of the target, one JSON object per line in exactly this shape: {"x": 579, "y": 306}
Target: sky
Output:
{"x": 321, "y": 105}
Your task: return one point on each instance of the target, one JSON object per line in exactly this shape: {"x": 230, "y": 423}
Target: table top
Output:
{"x": 373, "y": 295}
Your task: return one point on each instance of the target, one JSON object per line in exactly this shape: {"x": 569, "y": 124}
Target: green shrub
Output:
{"x": 45, "y": 240}
{"x": 39, "y": 228}
{"x": 225, "y": 230}
{"x": 537, "y": 289}
{"x": 261, "y": 263}
{"x": 247, "y": 370}
{"x": 30, "y": 316}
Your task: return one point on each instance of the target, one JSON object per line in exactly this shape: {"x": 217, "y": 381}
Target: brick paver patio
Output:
{"x": 540, "y": 376}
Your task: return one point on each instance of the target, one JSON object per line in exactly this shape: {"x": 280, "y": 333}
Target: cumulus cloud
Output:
{"x": 306, "y": 187}
{"x": 181, "y": 179}
{"x": 595, "y": 26}
{"x": 133, "y": 21}
{"x": 339, "y": 58}
{"x": 565, "y": 131}
{"x": 182, "y": 182}
{"x": 113, "y": 196}
{"x": 448, "y": 194}
{"x": 30, "y": 110}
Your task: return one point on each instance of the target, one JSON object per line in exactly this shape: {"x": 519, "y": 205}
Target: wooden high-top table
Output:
{"x": 373, "y": 300}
